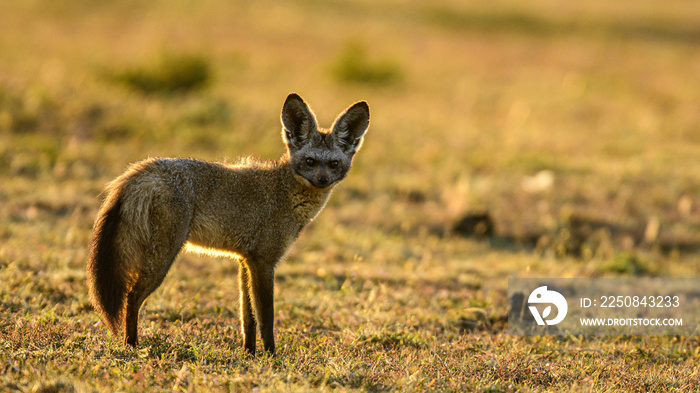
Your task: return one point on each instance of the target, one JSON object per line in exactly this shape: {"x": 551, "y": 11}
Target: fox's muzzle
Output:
{"x": 322, "y": 182}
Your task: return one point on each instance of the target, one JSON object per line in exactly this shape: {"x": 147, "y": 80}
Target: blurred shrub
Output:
{"x": 354, "y": 66}
{"x": 28, "y": 111}
{"x": 170, "y": 74}
{"x": 626, "y": 263}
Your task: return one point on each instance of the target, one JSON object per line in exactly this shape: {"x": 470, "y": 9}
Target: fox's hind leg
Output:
{"x": 149, "y": 277}
{"x": 138, "y": 294}
{"x": 133, "y": 305}
{"x": 145, "y": 285}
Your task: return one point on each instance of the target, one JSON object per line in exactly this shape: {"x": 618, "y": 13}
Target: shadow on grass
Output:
{"x": 338, "y": 281}
{"x": 582, "y": 237}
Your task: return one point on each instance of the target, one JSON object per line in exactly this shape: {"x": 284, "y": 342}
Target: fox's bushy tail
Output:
{"x": 106, "y": 271}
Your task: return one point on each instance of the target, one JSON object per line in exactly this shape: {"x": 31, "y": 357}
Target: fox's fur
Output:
{"x": 253, "y": 210}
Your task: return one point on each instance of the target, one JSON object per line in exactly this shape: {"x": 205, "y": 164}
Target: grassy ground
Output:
{"x": 574, "y": 125}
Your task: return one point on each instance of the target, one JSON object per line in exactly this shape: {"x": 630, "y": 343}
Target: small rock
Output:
{"x": 479, "y": 225}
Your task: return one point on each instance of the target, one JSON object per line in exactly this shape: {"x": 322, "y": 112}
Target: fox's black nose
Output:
{"x": 322, "y": 181}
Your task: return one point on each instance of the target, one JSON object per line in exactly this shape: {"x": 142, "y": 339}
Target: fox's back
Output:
{"x": 240, "y": 208}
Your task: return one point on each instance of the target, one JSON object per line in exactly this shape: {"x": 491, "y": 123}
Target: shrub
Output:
{"x": 168, "y": 75}
{"x": 625, "y": 263}
{"x": 354, "y": 66}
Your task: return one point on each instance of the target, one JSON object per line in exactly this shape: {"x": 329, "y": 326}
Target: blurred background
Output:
{"x": 520, "y": 119}
{"x": 508, "y": 138}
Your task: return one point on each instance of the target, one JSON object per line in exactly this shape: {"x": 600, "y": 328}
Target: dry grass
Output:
{"x": 471, "y": 105}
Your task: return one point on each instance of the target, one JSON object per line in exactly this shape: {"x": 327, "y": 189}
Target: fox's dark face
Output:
{"x": 320, "y": 161}
{"x": 322, "y": 158}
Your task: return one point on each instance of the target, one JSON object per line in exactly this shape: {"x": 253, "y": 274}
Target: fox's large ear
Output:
{"x": 350, "y": 127}
{"x": 298, "y": 121}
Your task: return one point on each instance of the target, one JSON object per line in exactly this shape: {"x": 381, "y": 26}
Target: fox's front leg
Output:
{"x": 247, "y": 316}
{"x": 262, "y": 289}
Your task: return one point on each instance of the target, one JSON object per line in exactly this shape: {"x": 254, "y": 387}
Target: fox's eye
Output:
{"x": 333, "y": 164}
{"x": 310, "y": 161}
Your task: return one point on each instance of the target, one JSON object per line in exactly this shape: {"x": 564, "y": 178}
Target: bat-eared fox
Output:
{"x": 253, "y": 210}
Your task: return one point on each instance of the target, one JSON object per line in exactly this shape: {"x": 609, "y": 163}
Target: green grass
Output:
{"x": 470, "y": 104}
